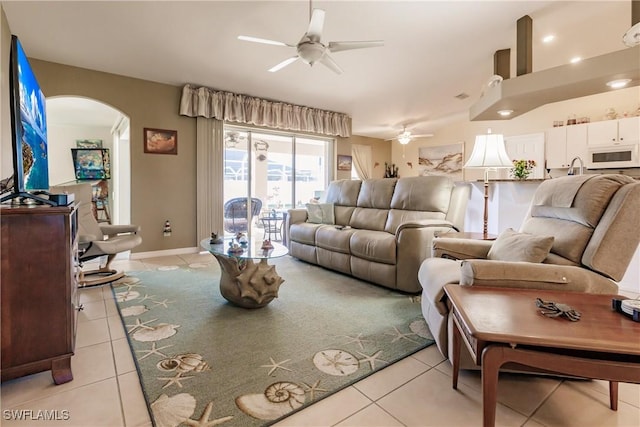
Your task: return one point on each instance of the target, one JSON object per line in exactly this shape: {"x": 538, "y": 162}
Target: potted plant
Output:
{"x": 522, "y": 168}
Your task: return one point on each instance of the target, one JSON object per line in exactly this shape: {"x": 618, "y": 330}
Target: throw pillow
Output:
{"x": 320, "y": 213}
{"x": 513, "y": 246}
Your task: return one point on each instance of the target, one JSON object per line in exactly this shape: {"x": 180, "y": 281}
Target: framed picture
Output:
{"x": 160, "y": 141}
{"x": 89, "y": 143}
{"x": 344, "y": 162}
{"x": 91, "y": 163}
{"x": 442, "y": 160}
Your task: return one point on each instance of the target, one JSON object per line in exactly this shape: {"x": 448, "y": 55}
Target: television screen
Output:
{"x": 91, "y": 163}
{"x": 31, "y": 162}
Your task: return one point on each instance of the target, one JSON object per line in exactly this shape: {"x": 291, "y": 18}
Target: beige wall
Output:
{"x": 6, "y": 164}
{"x": 163, "y": 187}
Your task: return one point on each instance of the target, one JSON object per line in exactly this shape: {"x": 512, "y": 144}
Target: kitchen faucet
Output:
{"x": 571, "y": 167}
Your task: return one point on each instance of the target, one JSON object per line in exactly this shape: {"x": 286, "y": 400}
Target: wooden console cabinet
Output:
{"x": 39, "y": 277}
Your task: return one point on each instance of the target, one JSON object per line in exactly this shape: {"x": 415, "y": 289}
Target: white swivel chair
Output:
{"x": 98, "y": 240}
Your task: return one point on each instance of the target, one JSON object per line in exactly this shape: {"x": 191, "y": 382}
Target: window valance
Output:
{"x": 232, "y": 107}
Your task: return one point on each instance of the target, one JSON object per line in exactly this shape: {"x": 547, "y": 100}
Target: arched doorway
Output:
{"x": 71, "y": 119}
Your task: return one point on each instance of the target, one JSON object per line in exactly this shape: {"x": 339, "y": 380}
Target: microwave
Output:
{"x": 614, "y": 156}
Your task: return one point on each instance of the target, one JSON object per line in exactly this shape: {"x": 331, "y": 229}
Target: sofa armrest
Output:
{"x": 443, "y": 224}
{"x": 296, "y": 216}
{"x": 451, "y": 247}
{"x": 527, "y": 275}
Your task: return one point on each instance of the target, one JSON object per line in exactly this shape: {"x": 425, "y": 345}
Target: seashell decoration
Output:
{"x": 277, "y": 400}
{"x": 155, "y": 333}
{"x": 420, "y": 328}
{"x": 134, "y": 310}
{"x": 127, "y": 296}
{"x": 184, "y": 363}
{"x": 336, "y": 362}
{"x": 173, "y": 411}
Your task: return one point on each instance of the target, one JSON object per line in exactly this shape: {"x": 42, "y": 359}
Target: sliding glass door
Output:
{"x": 267, "y": 173}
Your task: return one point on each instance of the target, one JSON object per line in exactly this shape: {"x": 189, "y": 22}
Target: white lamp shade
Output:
{"x": 489, "y": 152}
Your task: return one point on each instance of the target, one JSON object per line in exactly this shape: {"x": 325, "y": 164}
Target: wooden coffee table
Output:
{"x": 503, "y": 325}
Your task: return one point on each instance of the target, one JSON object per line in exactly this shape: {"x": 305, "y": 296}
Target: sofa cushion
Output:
{"x": 423, "y": 193}
{"x": 333, "y": 239}
{"x": 513, "y": 246}
{"x": 304, "y": 232}
{"x": 343, "y": 214}
{"x": 376, "y": 193}
{"x": 320, "y": 213}
{"x": 369, "y": 219}
{"x": 343, "y": 192}
{"x": 377, "y": 246}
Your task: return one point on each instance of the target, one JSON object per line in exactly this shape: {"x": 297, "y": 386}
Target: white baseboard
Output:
{"x": 166, "y": 252}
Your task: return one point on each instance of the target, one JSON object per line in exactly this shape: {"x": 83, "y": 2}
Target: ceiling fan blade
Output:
{"x": 339, "y": 46}
{"x": 283, "y": 64}
{"x": 314, "y": 32}
{"x": 426, "y": 135}
{"x": 263, "y": 41}
{"x": 328, "y": 62}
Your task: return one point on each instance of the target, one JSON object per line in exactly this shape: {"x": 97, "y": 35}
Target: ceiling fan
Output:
{"x": 406, "y": 136}
{"x": 310, "y": 48}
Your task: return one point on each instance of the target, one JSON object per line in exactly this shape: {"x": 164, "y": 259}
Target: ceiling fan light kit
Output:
{"x": 310, "y": 49}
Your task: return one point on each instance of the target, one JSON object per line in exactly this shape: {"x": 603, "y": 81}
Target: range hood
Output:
{"x": 530, "y": 91}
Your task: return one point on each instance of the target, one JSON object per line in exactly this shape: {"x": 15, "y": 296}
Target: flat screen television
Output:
{"x": 91, "y": 163}
{"x": 28, "y": 130}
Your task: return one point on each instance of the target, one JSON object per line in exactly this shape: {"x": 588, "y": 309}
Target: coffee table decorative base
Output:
{"x": 247, "y": 283}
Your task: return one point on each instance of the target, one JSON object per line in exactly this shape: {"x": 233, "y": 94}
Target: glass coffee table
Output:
{"x": 243, "y": 281}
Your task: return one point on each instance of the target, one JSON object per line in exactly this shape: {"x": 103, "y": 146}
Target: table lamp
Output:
{"x": 489, "y": 154}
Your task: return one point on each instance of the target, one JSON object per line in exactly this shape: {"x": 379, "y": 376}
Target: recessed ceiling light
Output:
{"x": 617, "y": 84}
{"x": 548, "y": 39}
{"x": 505, "y": 113}
{"x": 575, "y": 59}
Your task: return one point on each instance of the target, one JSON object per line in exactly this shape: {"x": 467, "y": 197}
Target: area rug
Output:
{"x": 204, "y": 361}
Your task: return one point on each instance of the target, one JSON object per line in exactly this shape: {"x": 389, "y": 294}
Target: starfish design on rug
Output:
{"x": 313, "y": 389}
{"x": 174, "y": 380}
{"x": 163, "y": 303}
{"x": 139, "y": 325}
{"x": 357, "y": 339}
{"x": 400, "y": 336}
{"x": 146, "y": 297}
{"x": 204, "y": 419}
{"x": 275, "y": 366}
{"x": 153, "y": 350}
{"x": 371, "y": 359}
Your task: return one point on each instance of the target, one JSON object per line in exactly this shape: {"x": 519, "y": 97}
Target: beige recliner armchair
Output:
{"x": 98, "y": 240}
{"x": 579, "y": 234}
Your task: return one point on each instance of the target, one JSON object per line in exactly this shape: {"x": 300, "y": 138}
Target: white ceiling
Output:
{"x": 434, "y": 50}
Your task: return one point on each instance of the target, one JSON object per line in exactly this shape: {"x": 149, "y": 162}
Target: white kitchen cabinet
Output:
{"x": 565, "y": 143}
{"x": 614, "y": 132}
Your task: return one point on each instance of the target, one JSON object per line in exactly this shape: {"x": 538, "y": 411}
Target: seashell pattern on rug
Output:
{"x": 420, "y": 328}
{"x": 336, "y": 362}
{"x": 127, "y": 296}
{"x": 155, "y": 333}
{"x": 277, "y": 400}
{"x": 133, "y": 310}
{"x": 184, "y": 363}
{"x": 173, "y": 411}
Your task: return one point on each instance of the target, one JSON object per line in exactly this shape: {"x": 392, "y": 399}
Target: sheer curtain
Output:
{"x": 209, "y": 182}
{"x": 231, "y": 107}
{"x": 362, "y": 160}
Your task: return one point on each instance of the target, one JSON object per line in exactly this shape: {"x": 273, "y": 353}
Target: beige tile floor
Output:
{"x": 413, "y": 392}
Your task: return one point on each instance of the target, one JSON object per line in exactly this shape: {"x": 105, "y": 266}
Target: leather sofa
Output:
{"x": 594, "y": 223}
{"x": 381, "y": 229}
